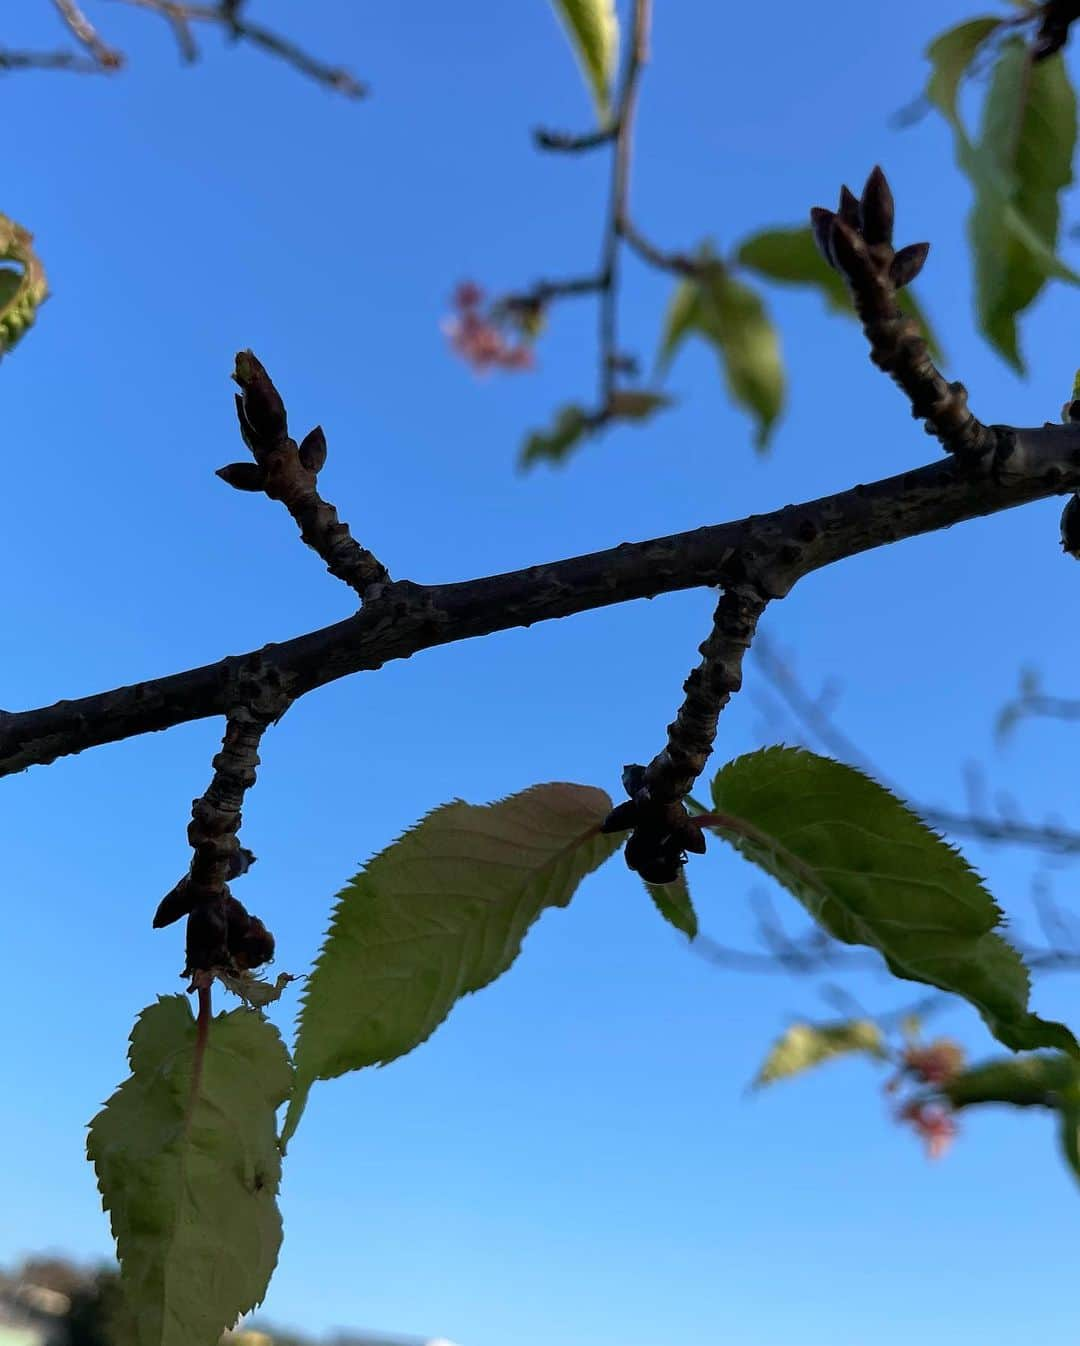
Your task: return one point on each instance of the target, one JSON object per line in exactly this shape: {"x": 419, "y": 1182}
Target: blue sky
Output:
{"x": 572, "y": 1157}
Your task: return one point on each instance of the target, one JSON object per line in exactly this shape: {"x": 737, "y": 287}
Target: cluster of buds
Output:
{"x": 661, "y": 835}
{"x": 496, "y": 336}
{"x": 930, "y": 1066}
{"x": 856, "y": 238}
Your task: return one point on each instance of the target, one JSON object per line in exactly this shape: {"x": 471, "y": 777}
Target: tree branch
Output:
{"x": 771, "y": 551}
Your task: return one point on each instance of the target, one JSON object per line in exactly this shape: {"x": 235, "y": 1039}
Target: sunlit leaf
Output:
{"x": 438, "y": 914}
{"x": 23, "y": 287}
{"x": 872, "y": 873}
{"x": 593, "y": 29}
{"x": 950, "y": 56}
{"x": 805, "y": 1045}
{"x": 191, "y": 1190}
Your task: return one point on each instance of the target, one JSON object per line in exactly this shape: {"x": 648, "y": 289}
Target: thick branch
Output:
{"x": 772, "y": 550}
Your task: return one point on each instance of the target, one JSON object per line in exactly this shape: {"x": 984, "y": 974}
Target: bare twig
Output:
{"x": 49, "y": 60}
{"x": 288, "y": 473}
{"x": 85, "y": 33}
{"x": 856, "y": 240}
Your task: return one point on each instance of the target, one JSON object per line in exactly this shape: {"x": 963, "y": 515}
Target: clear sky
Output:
{"x": 572, "y": 1158}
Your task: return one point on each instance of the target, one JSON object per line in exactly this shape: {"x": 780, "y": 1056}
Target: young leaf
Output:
{"x": 1022, "y": 163}
{"x": 872, "y": 873}
{"x": 191, "y": 1190}
{"x": 553, "y": 446}
{"x": 593, "y": 29}
{"x": 673, "y": 902}
{"x": 791, "y": 257}
{"x": 22, "y": 283}
{"x": 731, "y": 317}
{"x": 804, "y": 1046}
{"x": 438, "y": 914}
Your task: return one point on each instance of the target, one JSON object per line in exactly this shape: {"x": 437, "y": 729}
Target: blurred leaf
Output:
{"x": 553, "y": 446}
{"x": 593, "y": 29}
{"x": 872, "y": 873}
{"x": 192, "y": 1198}
{"x": 807, "y": 1045}
{"x": 731, "y": 317}
{"x": 1040, "y": 1080}
{"x": 23, "y": 287}
{"x": 635, "y": 404}
{"x": 1023, "y": 161}
{"x": 950, "y": 55}
{"x": 673, "y": 902}
{"x": 791, "y": 257}
{"x": 438, "y": 914}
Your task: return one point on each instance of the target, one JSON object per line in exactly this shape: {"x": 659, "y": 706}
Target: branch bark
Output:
{"x": 771, "y": 551}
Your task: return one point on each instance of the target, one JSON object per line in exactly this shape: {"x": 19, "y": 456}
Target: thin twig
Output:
{"x": 85, "y": 33}
{"x": 288, "y": 472}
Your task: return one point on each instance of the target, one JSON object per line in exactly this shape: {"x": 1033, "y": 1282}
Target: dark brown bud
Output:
{"x": 907, "y": 264}
{"x": 692, "y": 837}
{"x": 261, "y": 404}
{"x": 244, "y": 476}
{"x": 821, "y": 222}
{"x": 852, "y": 259}
{"x": 173, "y": 905}
{"x": 1070, "y": 528}
{"x": 621, "y": 818}
{"x": 658, "y": 858}
{"x": 313, "y": 450}
{"x": 245, "y": 429}
{"x": 848, "y": 209}
{"x": 633, "y": 779}
{"x": 876, "y": 208}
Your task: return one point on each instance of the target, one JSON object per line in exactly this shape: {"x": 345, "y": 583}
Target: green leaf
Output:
{"x": 438, "y": 914}
{"x": 23, "y": 287}
{"x": 807, "y": 1045}
{"x": 732, "y": 318}
{"x": 673, "y": 902}
{"x": 593, "y": 29}
{"x": 553, "y": 446}
{"x": 192, "y": 1199}
{"x": 1022, "y": 163}
{"x": 872, "y": 873}
{"x": 950, "y": 55}
{"x": 791, "y": 257}
{"x": 1040, "y": 1080}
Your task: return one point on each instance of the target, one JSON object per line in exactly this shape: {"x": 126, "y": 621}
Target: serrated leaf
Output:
{"x": 23, "y": 287}
{"x": 1021, "y": 164}
{"x": 438, "y": 914}
{"x": 673, "y": 902}
{"x": 1039, "y": 1080}
{"x": 732, "y": 318}
{"x": 593, "y": 29}
{"x": 553, "y": 446}
{"x": 804, "y": 1046}
{"x": 192, "y": 1201}
{"x": 791, "y": 257}
{"x": 872, "y": 873}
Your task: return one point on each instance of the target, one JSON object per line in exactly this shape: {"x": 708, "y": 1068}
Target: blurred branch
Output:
{"x": 182, "y": 18}
{"x": 814, "y": 716}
